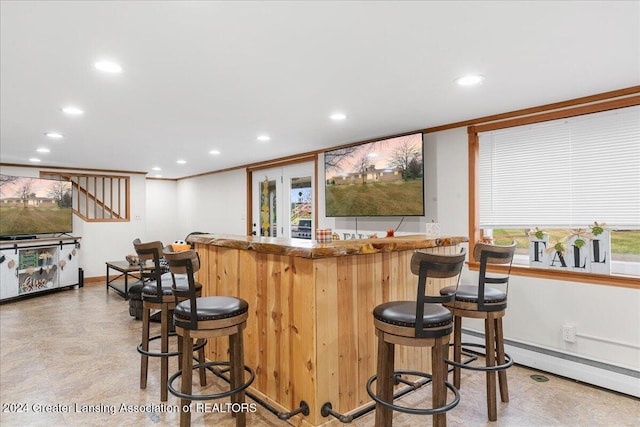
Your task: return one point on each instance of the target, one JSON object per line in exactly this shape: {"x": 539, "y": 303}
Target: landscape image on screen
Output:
{"x": 34, "y": 206}
{"x": 381, "y": 178}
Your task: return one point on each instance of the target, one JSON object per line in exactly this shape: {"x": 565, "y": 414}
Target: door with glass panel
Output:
{"x": 282, "y": 204}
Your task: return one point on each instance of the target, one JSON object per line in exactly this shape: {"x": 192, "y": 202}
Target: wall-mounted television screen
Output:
{"x": 32, "y": 206}
{"x": 379, "y": 178}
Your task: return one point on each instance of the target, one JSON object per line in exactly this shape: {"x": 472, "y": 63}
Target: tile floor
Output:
{"x": 75, "y": 351}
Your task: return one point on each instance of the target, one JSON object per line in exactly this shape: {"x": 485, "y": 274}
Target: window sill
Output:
{"x": 570, "y": 276}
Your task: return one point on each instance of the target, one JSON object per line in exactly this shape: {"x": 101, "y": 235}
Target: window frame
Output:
{"x": 614, "y": 101}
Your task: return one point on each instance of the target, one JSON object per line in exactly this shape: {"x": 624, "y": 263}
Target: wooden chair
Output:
{"x": 489, "y": 303}
{"x": 207, "y": 317}
{"x": 157, "y": 295}
{"x": 424, "y": 323}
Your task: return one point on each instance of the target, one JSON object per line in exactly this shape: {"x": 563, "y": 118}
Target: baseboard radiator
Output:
{"x": 601, "y": 374}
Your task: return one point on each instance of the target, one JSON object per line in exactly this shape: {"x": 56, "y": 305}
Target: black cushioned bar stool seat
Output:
{"x": 489, "y": 303}
{"x": 150, "y": 289}
{"x": 156, "y": 294}
{"x": 403, "y": 313}
{"x": 420, "y": 323}
{"x": 467, "y": 293}
{"x": 207, "y": 317}
{"x": 210, "y": 308}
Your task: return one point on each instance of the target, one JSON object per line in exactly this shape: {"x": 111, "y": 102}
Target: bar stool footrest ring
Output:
{"x": 507, "y": 364}
{"x": 228, "y": 393}
{"x": 415, "y": 411}
{"x": 168, "y": 354}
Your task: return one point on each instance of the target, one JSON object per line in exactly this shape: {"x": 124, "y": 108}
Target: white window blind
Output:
{"x": 562, "y": 173}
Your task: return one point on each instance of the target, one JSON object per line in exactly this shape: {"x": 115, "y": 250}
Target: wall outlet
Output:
{"x": 569, "y": 333}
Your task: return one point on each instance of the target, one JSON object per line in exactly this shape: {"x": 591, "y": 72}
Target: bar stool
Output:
{"x": 420, "y": 323}
{"x": 157, "y": 295}
{"x": 483, "y": 302}
{"x": 207, "y": 317}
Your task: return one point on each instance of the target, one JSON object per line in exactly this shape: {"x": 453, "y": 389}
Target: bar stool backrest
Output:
{"x": 426, "y": 265}
{"x": 151, "y": 251}
{"x": 487, "y": 254}
{"x": 184, "y": 262}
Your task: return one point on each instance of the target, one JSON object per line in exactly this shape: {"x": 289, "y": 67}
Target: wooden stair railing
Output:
{"x": 98, "y": 198}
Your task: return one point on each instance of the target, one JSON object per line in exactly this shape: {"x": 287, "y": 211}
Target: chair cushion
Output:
{"x": 403, "y": 313}
{"x": 212, "y": 308}
{"x": 469, "y": 293}
{"x": 182, "y": 283}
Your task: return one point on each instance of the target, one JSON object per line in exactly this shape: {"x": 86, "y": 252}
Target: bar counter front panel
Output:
{"x": 310, "y": 333}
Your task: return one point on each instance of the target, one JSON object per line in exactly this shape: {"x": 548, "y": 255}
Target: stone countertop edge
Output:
{"x": 312, "y": 249}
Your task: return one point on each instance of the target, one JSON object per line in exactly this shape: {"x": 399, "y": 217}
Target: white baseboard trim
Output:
{"x": 611, "y": 377}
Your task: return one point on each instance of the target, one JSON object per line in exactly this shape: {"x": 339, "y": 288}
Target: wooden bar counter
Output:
{"x": 310, "y": 334}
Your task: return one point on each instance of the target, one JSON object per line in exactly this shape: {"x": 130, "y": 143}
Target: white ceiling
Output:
{"x": 214, "y": 75}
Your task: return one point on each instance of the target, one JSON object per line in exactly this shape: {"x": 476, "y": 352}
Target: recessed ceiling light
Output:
{"x": 43, "y": 150}
{"x": 34, "y": 160}
{"x": 338, "y": 116}
{"x": 54, "y": 135}
{"x": 108, "y": 67}
{"x": 214, "y": 152}
{"x": 72, "y": 111}
{"x": 181, "y": 162}
{"x": 156, "y": 168}
{"x": 264, "y": 138}
{"x": 470, "y": 80}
